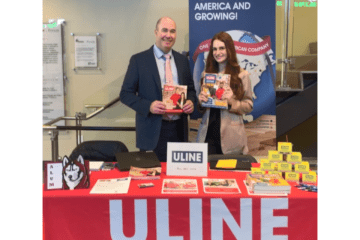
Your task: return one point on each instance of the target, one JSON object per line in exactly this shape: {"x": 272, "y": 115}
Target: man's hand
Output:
{"x": 188, "y": 107}
{"x": 157, "y": 107}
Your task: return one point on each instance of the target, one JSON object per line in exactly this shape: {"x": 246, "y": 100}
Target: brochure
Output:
{"x": 214, "y": 86}
{"x": 174, "y": 97}
{"x": 180, "y": 186}
{"x": 137, "y": 173}
{"x": 109, "y": 186}
{"x": 222, "y": 186}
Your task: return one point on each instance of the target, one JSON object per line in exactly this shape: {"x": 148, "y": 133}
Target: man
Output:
{"x": 220, "y": 91}
{"x": 142, "y": 91}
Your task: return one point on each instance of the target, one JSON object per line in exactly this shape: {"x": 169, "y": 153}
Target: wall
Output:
{"x": 126, "y": 27}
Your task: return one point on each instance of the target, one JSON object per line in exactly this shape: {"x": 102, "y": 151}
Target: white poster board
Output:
{"x": 187, "y": 159}
{"x": 85, "y": 51}
{"x": 53, "y": 76}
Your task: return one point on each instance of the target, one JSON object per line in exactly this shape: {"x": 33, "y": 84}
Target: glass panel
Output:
{"x": 301, "y": 41}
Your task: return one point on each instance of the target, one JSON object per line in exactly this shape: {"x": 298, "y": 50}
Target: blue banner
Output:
{"x": 251, "y": 25}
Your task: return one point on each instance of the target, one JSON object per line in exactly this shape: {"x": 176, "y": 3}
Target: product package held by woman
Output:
{"x": 223, "y": 129}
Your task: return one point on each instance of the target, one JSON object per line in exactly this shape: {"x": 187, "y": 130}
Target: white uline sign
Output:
{"x": 187, "y": 159}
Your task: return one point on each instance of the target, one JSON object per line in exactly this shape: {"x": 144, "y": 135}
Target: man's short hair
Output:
{"x": 159, "y": 21}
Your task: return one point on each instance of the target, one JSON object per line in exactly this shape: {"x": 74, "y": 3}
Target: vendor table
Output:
{"x": 146, "y": 213}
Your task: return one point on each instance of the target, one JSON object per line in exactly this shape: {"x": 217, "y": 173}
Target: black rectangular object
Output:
{"x": 136, "y": 159}
{"x": 243, "y": 161}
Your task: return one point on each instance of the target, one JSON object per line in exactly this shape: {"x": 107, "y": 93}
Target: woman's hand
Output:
{"x": 203, "y": 97}
{"x": 228, "y": 94}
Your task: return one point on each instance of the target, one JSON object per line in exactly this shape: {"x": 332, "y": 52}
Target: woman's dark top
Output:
{"x": 213, "y": 137}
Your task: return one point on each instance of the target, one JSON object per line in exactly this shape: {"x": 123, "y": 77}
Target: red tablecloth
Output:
{"x": 148, "y": 214}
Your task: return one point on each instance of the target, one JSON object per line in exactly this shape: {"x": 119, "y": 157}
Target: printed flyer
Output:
{"x": 180, "y": 186}
{"x": 222, "y": 186}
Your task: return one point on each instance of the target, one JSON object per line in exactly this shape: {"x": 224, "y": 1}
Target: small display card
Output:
{"x": 284, "y": 147}
{"x": 187, "y": 159}
{"x": 292, "y": 177}
{"x": 53, "y": 175}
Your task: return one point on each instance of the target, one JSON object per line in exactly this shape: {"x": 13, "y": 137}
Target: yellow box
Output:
{"x": 267, "y": 166}
{"x": 292, "y": 176}
{"x": 294, "y": 157}
{"x": 309, "y": 178}
{"x": 284, "y": 167}
{"x": 284, "y": 147}
{"x": 302, "y": 167}
{"x": 275, "y": 156}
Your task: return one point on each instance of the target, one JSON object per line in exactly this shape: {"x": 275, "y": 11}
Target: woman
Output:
{"x": 223, "y": 129}
{"x": 180, "y": 103}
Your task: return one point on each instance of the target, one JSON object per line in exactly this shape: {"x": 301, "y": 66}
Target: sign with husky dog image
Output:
{"x": 75, "y": 173}
{"x": 67, "y": 174}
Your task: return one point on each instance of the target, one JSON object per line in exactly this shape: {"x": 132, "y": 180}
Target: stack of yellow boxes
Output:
{"x": 287, "y": 164}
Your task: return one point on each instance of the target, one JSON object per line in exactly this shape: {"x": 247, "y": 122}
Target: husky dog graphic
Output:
{"x": 75, "y": 173}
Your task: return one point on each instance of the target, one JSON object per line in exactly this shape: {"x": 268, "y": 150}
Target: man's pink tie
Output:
{"x": 168, "y": 73}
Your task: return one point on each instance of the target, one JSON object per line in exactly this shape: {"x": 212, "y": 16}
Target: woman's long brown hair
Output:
{"x": 232, "y": 66}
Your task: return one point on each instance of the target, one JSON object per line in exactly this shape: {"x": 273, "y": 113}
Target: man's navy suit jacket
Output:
{"x": 142, "y": 86}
